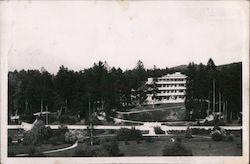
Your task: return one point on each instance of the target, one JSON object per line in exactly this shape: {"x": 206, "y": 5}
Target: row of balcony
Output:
{"x": 171, "y": 88}
{"x": 171, "y": 94}
{"x": 171, "y": 82}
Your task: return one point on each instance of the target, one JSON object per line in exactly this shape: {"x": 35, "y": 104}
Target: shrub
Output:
{"x": 73, "y": 135}
{"x": 102, "y": 141}
{"x": 11, "y": 154}
{"x": 112, "y": 149}
{"x": 176, "y": 131}
{"x": 188, "y": 133}
{"x": 218, "y": 133}
{"x": 196, "y": 131}
{"x": 105, "y": 150}
{"x": 138, "y": 141}
{"x": 38, "y": 134}
{"x": 178, "y": 139}
{"x": 176, "y": 149}
{"x": 90, "y": 151}
{"x": 67, "y": 119}
{"x": 62, "y": 129}
{"x": 19, "y": 140}
{"x": 52, "y": 118}
{"x": 126, "y": 142}
{"x": 124, "y": 134}
{"x": 28, "y": 118}
{"x": 29, "y": 138}
{"x": 158, "y": 130}
{"x": 217, "y": 136}
{"x": 145, "y": 131}
{"x": 95, "y": 121}
{"x": 34, "y": 152}
{"x": 149, "y": 139}
{"x": 54, "y": 140}
{"x": 9, "y": 140}
{"x": 70, "y": 137}
{"x": 98, "y": 131}
{"x": 111, "y": 131}
{"x": 230, "y": 138}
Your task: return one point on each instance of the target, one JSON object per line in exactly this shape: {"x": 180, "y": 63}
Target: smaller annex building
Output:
{"x": 169, "y": 88}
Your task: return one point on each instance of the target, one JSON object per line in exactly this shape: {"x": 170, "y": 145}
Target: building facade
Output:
{"x": 166, "y": 89}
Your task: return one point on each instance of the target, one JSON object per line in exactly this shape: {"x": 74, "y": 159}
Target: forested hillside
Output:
{"x": 111, "y": 88}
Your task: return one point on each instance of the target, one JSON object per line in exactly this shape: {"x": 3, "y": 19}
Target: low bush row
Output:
{"x": 125, "y": 134}
{"x": 106, "y": 149}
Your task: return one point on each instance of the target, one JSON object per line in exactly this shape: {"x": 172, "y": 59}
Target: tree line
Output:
{"x": 214, "y": 88}
{"x": 111, "y": 88}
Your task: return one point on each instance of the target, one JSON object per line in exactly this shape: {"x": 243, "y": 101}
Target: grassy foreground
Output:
{"x": 200, "y": 147}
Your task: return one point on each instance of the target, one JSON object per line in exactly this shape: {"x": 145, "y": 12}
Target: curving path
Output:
{"x": 62, "y": 149}
{"x": 53, "y": 151}
{"x": 148, "y": 110}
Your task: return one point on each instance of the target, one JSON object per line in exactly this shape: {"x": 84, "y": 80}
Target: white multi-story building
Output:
{"x": 166, "y": 89}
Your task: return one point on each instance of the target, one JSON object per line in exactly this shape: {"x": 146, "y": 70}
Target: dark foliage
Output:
{"x": 176, "y": 149}
{"x": 66, "y": 119}
{"x": 228, "y": 81}
{"x": 230, "y": 138}
{"x": 11, "y": 154}
{"x": 188, "y": 133}
{"x": 106, "y": 149}
{"x": 112, "y": 148}
{"x": 9, "y": 140}
{"x": 149, "y": 139}
{"x": 38, "y": 134}
{"x": 124, "y": 134}
{"x": 196, "y": 131}
{"x": 34, "y": 152}
{"x": 158, "y": 130}
{"x": 217, "y": 136}
{"x": 106, "y": 88}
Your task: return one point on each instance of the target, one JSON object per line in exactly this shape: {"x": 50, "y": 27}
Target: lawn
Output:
{"x": 161, "y": 113}
{"x": 199, "y": 146}
{"x": 24, "y": 149}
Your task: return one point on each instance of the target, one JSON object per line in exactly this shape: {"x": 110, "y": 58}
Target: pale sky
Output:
{"x": 163, "y": 33}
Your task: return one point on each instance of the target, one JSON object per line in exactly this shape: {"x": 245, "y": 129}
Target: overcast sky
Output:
{"x": 166, "y": 34}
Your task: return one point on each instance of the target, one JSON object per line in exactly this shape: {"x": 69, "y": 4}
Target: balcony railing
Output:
{"x": 170, "y": 82}
{"x": 171, "y": 94}
{"x": 171, "y": 88}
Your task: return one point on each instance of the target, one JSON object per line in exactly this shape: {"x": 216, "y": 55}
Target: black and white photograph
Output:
{"x": 124, "y": 81}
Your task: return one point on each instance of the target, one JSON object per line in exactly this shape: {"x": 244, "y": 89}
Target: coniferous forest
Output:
{"x": 111, "y": 88}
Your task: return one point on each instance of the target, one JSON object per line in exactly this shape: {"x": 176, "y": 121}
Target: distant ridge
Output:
{"x": 219, "y": 67}
{"x": 180, "y": 67}
{"x": 225, "y": 66}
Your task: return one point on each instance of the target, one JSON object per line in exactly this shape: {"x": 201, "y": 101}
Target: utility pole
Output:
{"x": 226, "y": 110}
{"x": 66, "y": 108}
{"x": 26, "y": 105}
{"x": 213, "y": 95}
{"x": 208, "y": 106}
{"x": 41, "y": 105}
{"x": 219, "y": 102}
{"x": 47, "y": 121}
{"x": 91, "y": 125}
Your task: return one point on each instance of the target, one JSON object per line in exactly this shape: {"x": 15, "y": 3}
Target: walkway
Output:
{"x": 140, "y": 127}
{"x": 53, "y": 151}
{"x": 149, "y": 110}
